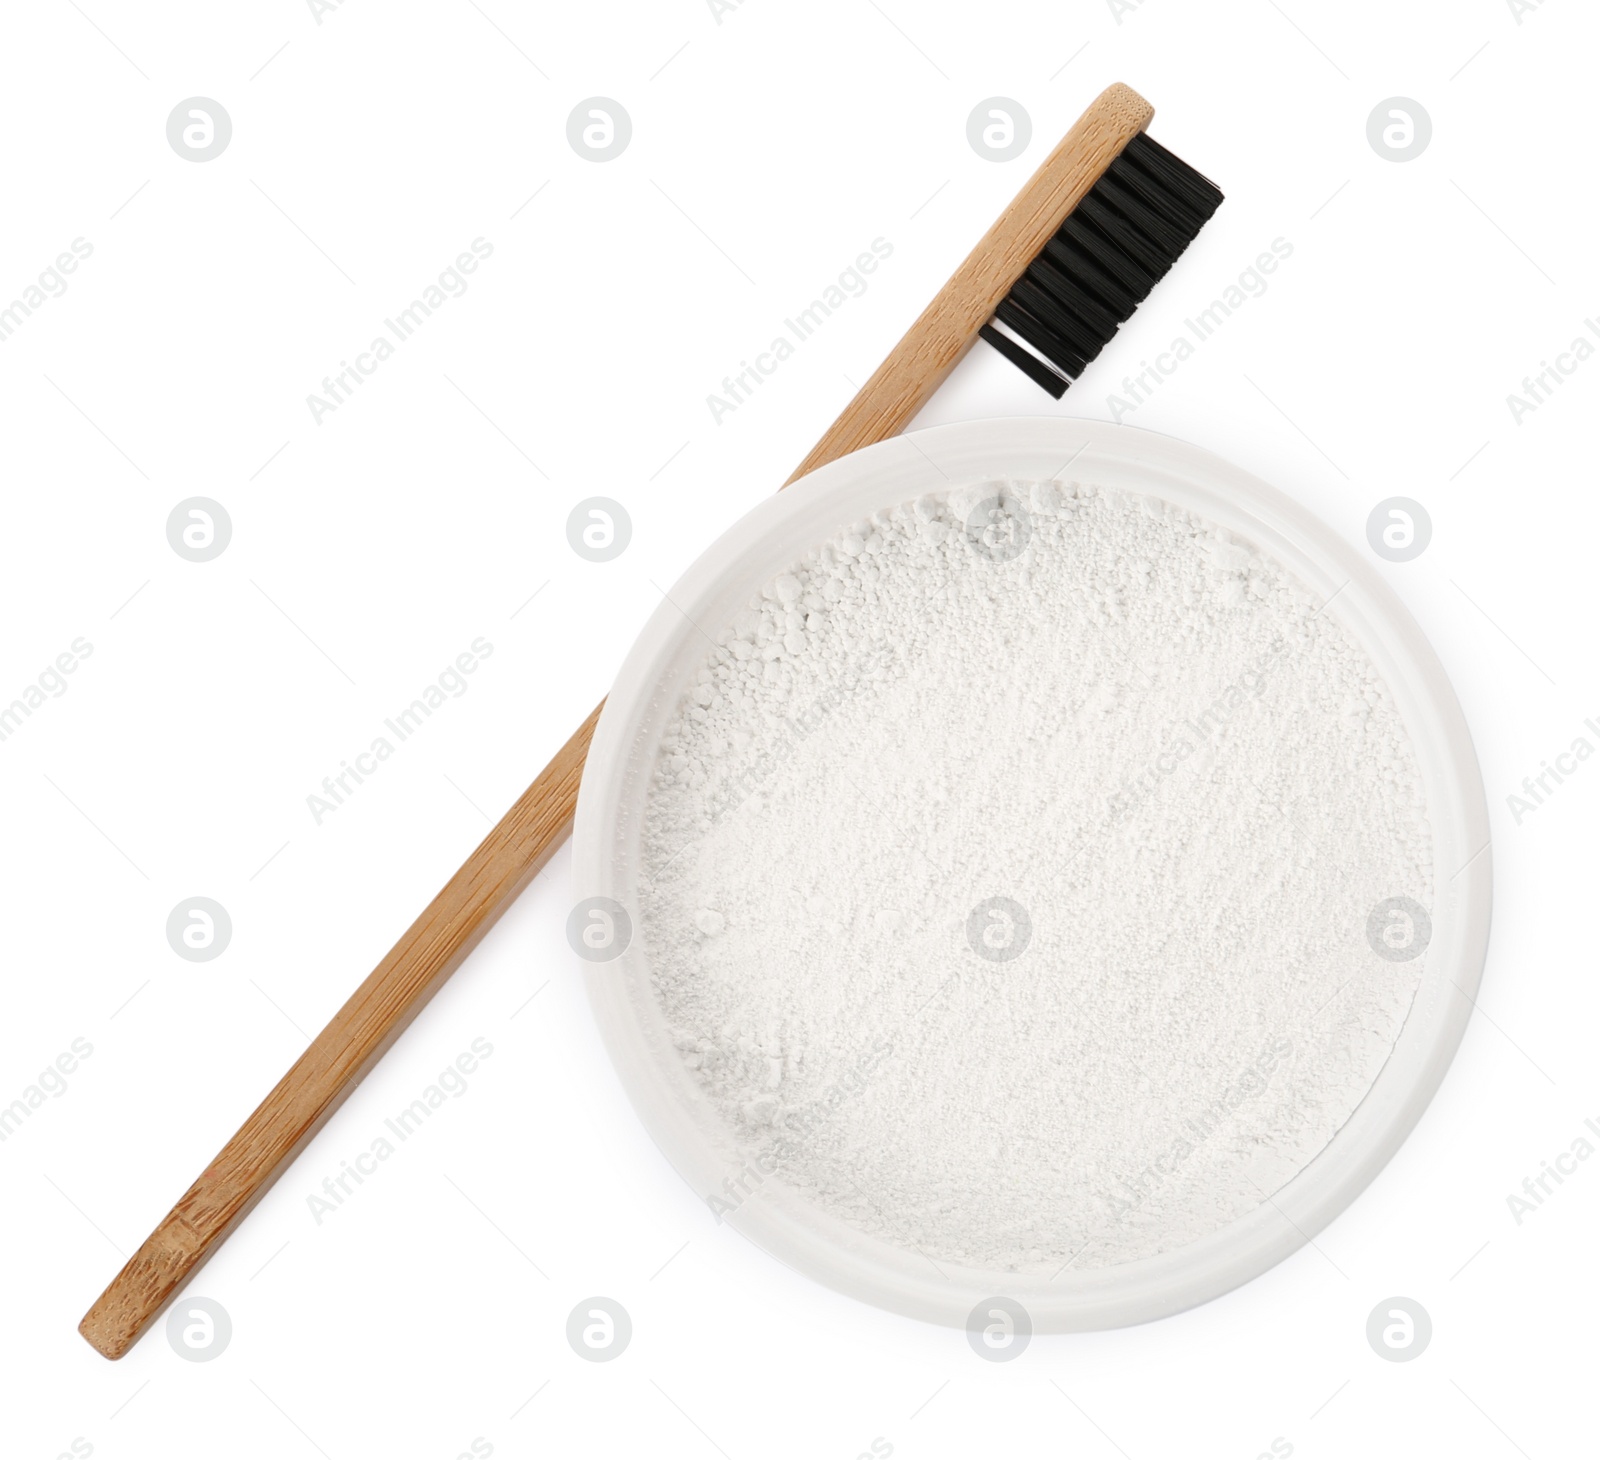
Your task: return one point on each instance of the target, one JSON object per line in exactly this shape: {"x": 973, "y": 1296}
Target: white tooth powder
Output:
{"x": 1012, "y": 906}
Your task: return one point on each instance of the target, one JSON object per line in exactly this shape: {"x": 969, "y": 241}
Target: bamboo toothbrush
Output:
{"x": 1065, "y": 264}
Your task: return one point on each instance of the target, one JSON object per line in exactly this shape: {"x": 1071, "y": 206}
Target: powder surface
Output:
{"x": 1007, "y": 871}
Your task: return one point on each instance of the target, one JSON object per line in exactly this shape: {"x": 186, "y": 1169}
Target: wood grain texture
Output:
{"x": 947, "y": 328}
{"x": 334, "y": 1063}
{"x": 509, "y": 857}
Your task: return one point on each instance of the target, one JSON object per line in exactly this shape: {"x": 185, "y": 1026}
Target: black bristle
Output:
{"x": 1039, "y": 302}
{"x": 1135, "y": 279}
{"x": 1139, "y": 182}
{"x": 1032, "y": 330}
{"x": 1131, "y": 245}
{"x": 1071, "y": 295}
{"x": 1168, "y": 235}
{"x": 1030, "y": 365}
{"x": 1117, "y": 300}
{"x": 1123, "y": 236}
{"x": 1175, "y": 175}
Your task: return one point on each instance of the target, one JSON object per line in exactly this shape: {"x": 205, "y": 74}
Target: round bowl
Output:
{"x": 606, "y": 864}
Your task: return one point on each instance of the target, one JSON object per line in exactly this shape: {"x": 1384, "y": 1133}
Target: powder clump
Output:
{"x": 1007, "y": 870}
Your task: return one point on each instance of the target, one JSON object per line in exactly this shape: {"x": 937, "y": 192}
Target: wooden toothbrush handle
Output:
{"x": 509, "y": 857}
{"x": 333, "y": 1064}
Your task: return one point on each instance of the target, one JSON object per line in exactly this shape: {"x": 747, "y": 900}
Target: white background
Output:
{"x": 769, "y": 148}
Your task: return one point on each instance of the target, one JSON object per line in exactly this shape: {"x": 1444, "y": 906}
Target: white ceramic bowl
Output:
{"x": 777, "y": 533}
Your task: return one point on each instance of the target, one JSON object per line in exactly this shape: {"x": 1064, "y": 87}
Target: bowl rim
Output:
{"x": 776, "y": 533}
